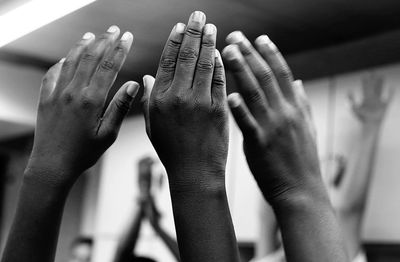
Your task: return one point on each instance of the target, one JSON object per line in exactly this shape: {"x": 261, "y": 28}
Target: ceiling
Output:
{"x": 295, "y": 25}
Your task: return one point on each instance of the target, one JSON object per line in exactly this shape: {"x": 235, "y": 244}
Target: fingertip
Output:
{"x": 62, "y": 60}
{"x": 198, "y": 16}
{"x": 263, "y": 40}
{"x": 180, "y": 28}
{"x": 210, "y": 29}
{"x": 148, "y": 81}
{"x": 132, "y": 88}
{"x": 234, "y": 100}
{"x": 234, "y": 37}
{"x": 113, "y": 29}
{"x": 298, "y": 82}
{"x": 127, "y": 36}
{"x": 231, "y": 52}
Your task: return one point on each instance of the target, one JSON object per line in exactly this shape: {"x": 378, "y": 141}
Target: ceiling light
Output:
{"x": 30, "y": 16}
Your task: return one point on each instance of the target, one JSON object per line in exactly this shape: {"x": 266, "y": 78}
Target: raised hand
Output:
{"x": 186, "y": 117}
{"x": 74, "y": 127}
{"x": 274, "y": 117}
{"x": 280, "y": 148}
{"x": 185, "y": 111}
{"x": 74, "y": 124}
{"x": 375, "y": 100}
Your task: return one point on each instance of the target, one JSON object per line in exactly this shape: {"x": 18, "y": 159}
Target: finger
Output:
{"x": 108, "y": 70}
{"x": 118, "y": 109}
{"x": 300, "y": 95}
{"x": 301, "y": 98}
{"x": 72, "y": 60}
{"x": 50, "y": 79}
{"x": 148, "y": 83}
{"x": 279, "y": 67}
{"x": 218, "y": 86}
{"x": 166, "y": 68}
{"x": 189, "y": 51}
{"x": 205, "y": 65}
{"x": 247, "y": 83}
{"x": 246, "y": 122}
{"x": 258, "y": 66}
{"x": 93, "y": 55}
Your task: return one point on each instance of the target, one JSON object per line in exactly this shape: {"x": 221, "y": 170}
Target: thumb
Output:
{"x": 148, "y": 83}
{"x": 118, "y": 108}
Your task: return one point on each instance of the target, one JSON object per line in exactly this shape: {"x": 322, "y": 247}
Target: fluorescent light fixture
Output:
{"x": 34, "y": 14}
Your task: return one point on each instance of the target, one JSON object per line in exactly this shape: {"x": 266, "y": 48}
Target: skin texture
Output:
{"x": 74, "y": 127}
{"x": 280, "y": 148}
{"x": 186, "y": 120}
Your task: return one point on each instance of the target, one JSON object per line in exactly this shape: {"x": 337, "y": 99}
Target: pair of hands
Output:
{"x": 185, "y": 109}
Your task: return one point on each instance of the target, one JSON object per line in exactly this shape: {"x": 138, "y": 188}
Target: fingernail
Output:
{"x": 235, "y": 37}
{"x": 210, "y": 29}
{"x": 132, "y": 89}
{"x": 88, "y": 36}
{"x": 198, "y": 16}
{"x": 112, "y": 29}
{"x": 217, "y": 54}
{"x": 234, "y": 100}
{"x": 265, "y": 40}
{"x": 62, "y": 60}
{"x": 180, "y": 28}
{"x": 127, "y": 36}
{"x": 231, "y": 52}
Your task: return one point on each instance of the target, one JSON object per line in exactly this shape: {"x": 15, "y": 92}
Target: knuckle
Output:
{"x": 108, "y": 65}
{"x": 205, "y": 65}
{"x": 67, "y": 97}
{"x": 265, "y": 76}
{"x": 188, "y": 54}
{"x": 86, "y": 102}
{"x": 89, "y": 57}
{"x": 194, "y": 32}
{"x": 219, "y": 80}
{"x": 246, "y": 50}
{"x": 174, "y": 45}
{"x": 208, "y": 42}
{"x": 167, "y": 63}
{"x": 253, "y": 96}
{"x": 284, "y": 72}
{"x": 179, "y": 100}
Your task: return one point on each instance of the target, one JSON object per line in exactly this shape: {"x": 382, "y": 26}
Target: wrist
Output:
{"x": 301, "y": 199}
{"x": 196, "y": 181}
{"x": 39, "y": 186}
{"x": 49, "y": 176}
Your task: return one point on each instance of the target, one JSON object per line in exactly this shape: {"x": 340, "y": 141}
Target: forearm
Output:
{"x": 354, "y": 188}
{"x": 203, "y": 222}
{"x": 309, "y": 228}
{"x": 34, "y": 233}
{"x": 129, "y": 239}
{"x": 267, "y": 240}
{"x": 169, "y": 242}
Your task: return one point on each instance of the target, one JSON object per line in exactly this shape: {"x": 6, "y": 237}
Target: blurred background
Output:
{"x": 331, "y": 45}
